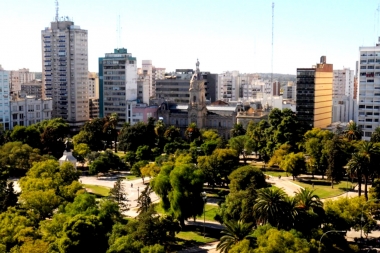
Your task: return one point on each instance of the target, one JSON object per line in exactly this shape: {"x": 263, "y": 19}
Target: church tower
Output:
{"x": 197, "y": 110}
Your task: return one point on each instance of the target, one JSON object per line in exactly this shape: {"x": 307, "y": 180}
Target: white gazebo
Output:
{"x": 68, "y": 157}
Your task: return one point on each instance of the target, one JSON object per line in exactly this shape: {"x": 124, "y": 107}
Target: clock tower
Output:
{"x": 197, "y": 110}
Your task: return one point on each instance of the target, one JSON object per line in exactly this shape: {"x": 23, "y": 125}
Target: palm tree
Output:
{"x": 370, "y": 151}
{"x": 110, "y": 125}
{"x": 270, "y": 206}
{"x": 357, "y": 165}
{"x": 375, "y": 137}
{"x": 307, "y": 200}
{"x": 352, "y": 131}
{"x": 235, "y": 232}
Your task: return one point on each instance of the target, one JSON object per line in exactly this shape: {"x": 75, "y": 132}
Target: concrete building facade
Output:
{"x": 29, "y": 110}
{"x": 368, "y": 85}
{"x": 93, "y": 85}
{"x": 18, "y": 77}
{"x": 314, "y": 94}
{"x": 117, "y": 84}
{"x": 32, "y": 88}
{"x": 344, "y": 103}
{"x": 4, "y": 99}
{"x": 65, "y": 71}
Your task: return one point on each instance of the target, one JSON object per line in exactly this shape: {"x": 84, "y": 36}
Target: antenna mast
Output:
{"x": 272, "y": 39}
{"x": 56, "y": 10}
{"x": 118, "y": 33}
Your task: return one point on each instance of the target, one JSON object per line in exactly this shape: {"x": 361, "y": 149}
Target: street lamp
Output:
{"x": 204, "y": 197}
{"x": 331, "y": 231}
{"x": 362, "y": 218}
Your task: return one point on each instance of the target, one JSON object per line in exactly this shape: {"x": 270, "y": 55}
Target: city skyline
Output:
{"x": 224, "y": 36}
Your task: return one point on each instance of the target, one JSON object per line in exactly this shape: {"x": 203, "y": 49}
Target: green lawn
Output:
{"x": 276, "y": 173}
{"x": 210, "y": 213}
{"x": 98, "y": 190}
{"x": 325, "y": 191}
{"x": 131, "y": 177}
{"x": 120, "y": 154}
{"x": 194, "y": 236}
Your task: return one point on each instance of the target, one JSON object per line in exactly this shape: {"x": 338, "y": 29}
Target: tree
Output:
{"x": 356, "y": 165}
{"x": 118, "y": 195}
{"x": 8, "y": 197}
{"x": 105, "y": 162}
{"x": 235, "y": 232}
{"x": 336, "y": 159}
{"x": 294, "y": 163}
{"x": 246, "y": 177}
{"x": 242, "y": 144}
{"x": 192, "y": 132}
{"x": 143, "y": 153}
{"x": 279, "y": 154}
{"x": 110, "y": 128}
{"x": 48, "y": 185}
{"x": 271, "y": 206}
{"x": 81, "y": 151}
{"x": 218, "y": 166}
{"x": 144, "y": 201}
{"x": 276, "y": 241}
{"x": 352, "y": 131}
{"x": 237, "y": 130}
{"x": 53, "y": 134}
{"x": 375, "y": 137}
{"x": 149, "y": 170}
{"x": 92, "y": 134}
{"x": 27, "y": 135}
{"x": 139, "y": 134}
{"x": 180, "y": 190}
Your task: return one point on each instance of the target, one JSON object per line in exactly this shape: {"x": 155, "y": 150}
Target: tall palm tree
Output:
{"x": 352, "y": 131}
{"x": 235, "y": 232}
{"x": 356, "y": 166}
{"x": 110, "y": 125}
{"x": 370, "y": 151}
{"x": 270, "y": 206}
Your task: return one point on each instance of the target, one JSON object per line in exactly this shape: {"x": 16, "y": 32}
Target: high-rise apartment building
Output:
{"x": 65, "y": 71}
{"x": 343, "y": 95}
{"x": 314, "y": 94}
{"x": 368, "y": 99}
{"x": 117, "y": 84}
{"x": 4, "y": 99}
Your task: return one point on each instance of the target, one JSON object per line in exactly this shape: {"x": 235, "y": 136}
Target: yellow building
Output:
{"x": 314, "y": 94}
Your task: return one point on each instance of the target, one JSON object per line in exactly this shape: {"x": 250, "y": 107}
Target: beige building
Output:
{"x": 93, "y": 85}
{"x": 65, "y": 71}
{"x": 32, "y": 88}
{"x": 314, "y": 94}
{"x": 18, "y": 77}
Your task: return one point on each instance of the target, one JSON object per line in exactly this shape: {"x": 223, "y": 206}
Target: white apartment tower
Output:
{"x": 4, "y": 99}
{"x": 368, "y": 99}
{"x": 343, "y": 95}
{"x": 65, "y": 71}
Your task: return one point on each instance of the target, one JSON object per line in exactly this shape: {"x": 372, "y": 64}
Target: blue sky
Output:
{"x": 223, "y": 34}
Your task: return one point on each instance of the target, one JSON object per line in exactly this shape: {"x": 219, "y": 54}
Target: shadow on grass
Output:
{"x": 193, "y": 238}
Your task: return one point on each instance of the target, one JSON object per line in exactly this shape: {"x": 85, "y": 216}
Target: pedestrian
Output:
{"x": 131, "y": 185}
{"x": 279, "y": 177}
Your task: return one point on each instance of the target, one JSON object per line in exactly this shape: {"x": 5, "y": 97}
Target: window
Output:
{"x": 14, "y": 116}
{"x": 38, "y": 115}
{"x": 38, "y": 107}
{"x": 30, "y": 108}
{"x": 21, "y": 108}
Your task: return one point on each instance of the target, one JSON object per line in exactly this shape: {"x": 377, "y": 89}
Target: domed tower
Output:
{"x": 197, "y": 110}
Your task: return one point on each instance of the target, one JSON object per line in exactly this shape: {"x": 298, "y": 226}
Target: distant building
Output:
{"x": 117, "y": 84}
{"x": 32, "y": 88}
{"x": 244, "y": 117}
{"x": 290, "y": 91}
{"x": 65, "y": 71}
{"x": 29, "y": 110}
{"x": 18, "y": 77}
{"x": 276, "y": 88}
{"x": 94, "y": 107}
{"x": 4, "y": 99}
{"x": 314, "y": 94}
{"x": 344, "y": 103}
{"x": 93, "y": 85}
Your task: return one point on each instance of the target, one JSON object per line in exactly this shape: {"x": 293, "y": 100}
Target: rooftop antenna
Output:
{"x": 271, "y": 78}
{"x": 56, "y": 10}
{"x": 118, "y": 33}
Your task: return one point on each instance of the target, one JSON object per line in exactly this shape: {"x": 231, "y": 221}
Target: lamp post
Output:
{"x": 362, "y": 218}
{"x": 331, "y": 231}
{"x": 204, "y": 197}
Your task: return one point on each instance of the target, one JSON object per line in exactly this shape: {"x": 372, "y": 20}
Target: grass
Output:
{"x": 276, "y": 173}
{"x": 131, "y": 177}
{"x": 194, "y": 236}
{"x": 211, "y": 211}
{"x": 100, "y": 191}
{"x": 119, "y": 154}
{"x": 325, "y": 191}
